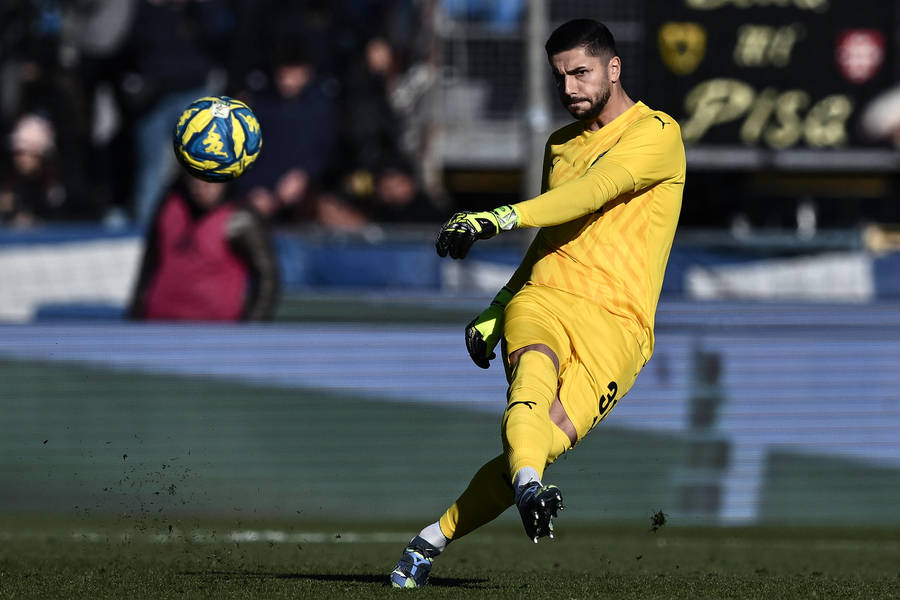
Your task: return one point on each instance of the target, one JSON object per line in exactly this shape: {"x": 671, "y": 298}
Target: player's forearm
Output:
{"x": 575, "y": 199}
{"x": 249, "y": 239}
{"x": 263, "y": 300}
{"x": 561, "y": 205}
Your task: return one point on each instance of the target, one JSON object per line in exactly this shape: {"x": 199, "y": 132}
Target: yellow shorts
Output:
{"x": 599, "y": 357}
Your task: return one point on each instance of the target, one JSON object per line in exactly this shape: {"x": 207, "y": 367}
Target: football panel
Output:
{"x": 238, "y": 136}
{"x": 232, "y": 171}
{"x": 195, "y": 125}
{"x": 217, "y": 138}
{"x": 213, "y": 143}
{"x": 251, "y": 129}
{"x": 183, "y": 120}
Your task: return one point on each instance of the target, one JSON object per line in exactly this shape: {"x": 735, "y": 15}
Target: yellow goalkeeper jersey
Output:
{"x": 608, "y": 215}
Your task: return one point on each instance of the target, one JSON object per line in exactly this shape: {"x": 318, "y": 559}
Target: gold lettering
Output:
{"x": 788, "y": 131}
{"x": 763, "y": 107}
{"x": 714, "y": 102}
{"x": 782, "y": 44}
{"x": 751, "y": 46}
{"x": 826, "y": 122}
{"x": 764, "y": 45}
{"x": 775, "y": 119}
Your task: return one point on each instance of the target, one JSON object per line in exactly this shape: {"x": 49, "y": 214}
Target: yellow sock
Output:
{"x": 530, "y": 439}
{"x": 528, "y": 432}
{"x": 488, "y": 494}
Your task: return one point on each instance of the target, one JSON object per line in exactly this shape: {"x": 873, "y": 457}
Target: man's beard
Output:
{"x": 595, "y": 109}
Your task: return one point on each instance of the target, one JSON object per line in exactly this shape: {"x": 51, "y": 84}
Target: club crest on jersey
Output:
{"x": 859, "y": 54}
{"x": 682, "y": 46}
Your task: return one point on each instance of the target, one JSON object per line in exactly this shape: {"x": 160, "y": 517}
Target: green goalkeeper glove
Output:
{"x": 485, "y": 330}
{"x": 460, "y": 232}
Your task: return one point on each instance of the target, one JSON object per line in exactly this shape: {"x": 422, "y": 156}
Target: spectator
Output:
{"x": 299, "y": 135}
{"x": 390, "y": 194}
{"x": 372, "y": 170}
{"x": 371, "y": 131}
{"x": 881, "y": 117}
{"x": 173, "y": 48}
{"x": 99, "y": 33}
{"x": 328, "y": 31}
{"x": 207, "y": 258}
{"x": 399, "y": 197}
{"x": 39, "y": 76}
{"x": 336, "y": 214}
{"x": 30, "y": 190}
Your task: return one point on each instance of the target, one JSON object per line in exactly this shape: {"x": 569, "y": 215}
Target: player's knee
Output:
{"x": 534, "y": 380}
{"x": 544, "y": 349}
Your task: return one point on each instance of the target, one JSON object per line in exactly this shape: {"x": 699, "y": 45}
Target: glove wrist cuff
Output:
{"x": 507, "y": 217}
{"x": 503, "y": 297}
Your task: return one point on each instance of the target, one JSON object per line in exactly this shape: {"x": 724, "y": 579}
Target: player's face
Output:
{"x": 582, "y": 81}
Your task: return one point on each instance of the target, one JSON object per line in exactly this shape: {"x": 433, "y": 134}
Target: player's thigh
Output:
{"x": 533, "y": 318}
{"x": 599, "y": 357}
{"x": 603, "y": 366}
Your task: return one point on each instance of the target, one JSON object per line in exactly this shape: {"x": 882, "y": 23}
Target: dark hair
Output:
{"x": 594, "y": 36}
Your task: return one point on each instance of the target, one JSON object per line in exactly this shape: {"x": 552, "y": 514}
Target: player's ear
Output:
{"x": 614, "y": 69}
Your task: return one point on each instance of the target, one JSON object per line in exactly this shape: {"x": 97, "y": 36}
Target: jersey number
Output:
{"x": 607, "y": 402}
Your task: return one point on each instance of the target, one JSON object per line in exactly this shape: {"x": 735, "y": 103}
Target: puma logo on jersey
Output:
{"x": 527, "y": 403}
{"x": 658, "y": 118}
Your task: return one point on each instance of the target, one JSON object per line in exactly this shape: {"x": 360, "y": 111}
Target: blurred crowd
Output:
{"x": 90, "y": 91}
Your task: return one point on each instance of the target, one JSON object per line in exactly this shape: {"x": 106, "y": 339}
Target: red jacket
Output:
{"x": 198, "y": 275}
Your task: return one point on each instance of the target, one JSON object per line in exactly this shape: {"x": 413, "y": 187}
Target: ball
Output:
{"x": 217, "y": 138}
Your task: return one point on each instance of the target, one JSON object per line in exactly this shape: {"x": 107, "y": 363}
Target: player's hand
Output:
{"x": 485, "y": 330}
{"x": 459, "y": 233}
{"x": 482, "y": 335}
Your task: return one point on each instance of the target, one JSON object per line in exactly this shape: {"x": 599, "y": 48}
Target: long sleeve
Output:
{"x": 249, "y": 238}
{"x": 647, "y": 153}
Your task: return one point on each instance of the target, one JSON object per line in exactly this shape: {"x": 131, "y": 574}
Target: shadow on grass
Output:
{"x": 338, "y": 577}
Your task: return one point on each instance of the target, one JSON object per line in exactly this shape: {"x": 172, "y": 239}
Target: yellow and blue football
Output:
{"x": 217, "y": 138}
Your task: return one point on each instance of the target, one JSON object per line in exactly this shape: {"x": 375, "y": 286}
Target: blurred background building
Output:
{"x": 775, "y": 382}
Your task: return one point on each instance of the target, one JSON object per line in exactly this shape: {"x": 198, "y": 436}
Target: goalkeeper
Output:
{"x": 576, "y": 318}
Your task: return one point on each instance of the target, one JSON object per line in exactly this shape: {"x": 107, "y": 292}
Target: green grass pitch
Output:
{"x": 159, "y": 449}
{"x": 88, "y": 557}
